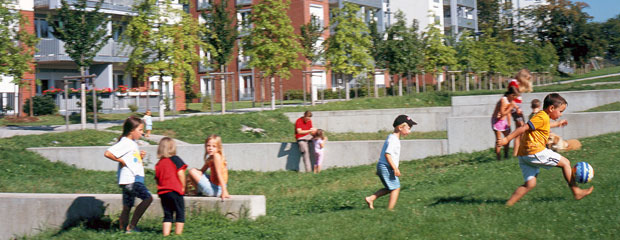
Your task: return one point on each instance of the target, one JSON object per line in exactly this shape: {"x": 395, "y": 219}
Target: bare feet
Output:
{"x": 369, "y": 202}
{"x": 583, "y": 193}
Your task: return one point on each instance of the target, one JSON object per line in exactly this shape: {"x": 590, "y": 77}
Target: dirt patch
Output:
{"x": 21, "y": 119}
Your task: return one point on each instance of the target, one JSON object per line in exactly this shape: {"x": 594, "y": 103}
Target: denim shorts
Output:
{"x": 386, "y": 174}
{"x": 133, "y": 190}
{"x": 207, "y": 188}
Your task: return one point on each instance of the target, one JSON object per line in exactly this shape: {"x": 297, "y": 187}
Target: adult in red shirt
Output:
{"x": 303, "y": 134}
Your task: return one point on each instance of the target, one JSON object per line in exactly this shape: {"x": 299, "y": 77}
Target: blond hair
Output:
{"x": 167, "y": 148}
{"x": 524, "y": 77}
{"x": 218, "y": 144}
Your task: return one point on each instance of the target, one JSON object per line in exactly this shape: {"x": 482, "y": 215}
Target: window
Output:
{"x": 317, "y": 10}
{"x": 119, "y": 79}
{"x": 244, "y": 23}
{"x": 203, "y": 4}
{"x": 118, "y": 28}
{"x": 43, "y": 28}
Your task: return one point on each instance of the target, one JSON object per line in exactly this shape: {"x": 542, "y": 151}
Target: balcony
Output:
{"x": 118, "y": 5}
{"x": 243, "y": 2}
{"x": 466, "y": 3}
{"x": 54, "y": 50}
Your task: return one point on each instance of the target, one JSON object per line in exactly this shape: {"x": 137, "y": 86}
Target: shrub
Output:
{"x": 133, "y": 108}
{"x": 41, "y": 105}
{"x": 296, "y": 94}
{"x": 89, "y": 104}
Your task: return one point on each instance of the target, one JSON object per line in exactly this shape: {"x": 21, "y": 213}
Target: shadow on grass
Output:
{"x": 467, "y": 200}
{"x": 502, "y": 201}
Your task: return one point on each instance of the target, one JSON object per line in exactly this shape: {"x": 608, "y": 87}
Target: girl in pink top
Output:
{"x": 500, "y": 120}
{"x": 319, "y": 147}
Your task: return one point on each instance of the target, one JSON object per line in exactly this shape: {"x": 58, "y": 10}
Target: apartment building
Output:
{"x": 453, "y": 16}
{"x": 53, "y": 64}
{"x": 11, "y": 95}
{"x": 511, "y": 13}
{"x": 245, "y": 82}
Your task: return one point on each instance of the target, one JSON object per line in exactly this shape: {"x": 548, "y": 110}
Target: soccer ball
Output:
{"x": 583, "y": 172}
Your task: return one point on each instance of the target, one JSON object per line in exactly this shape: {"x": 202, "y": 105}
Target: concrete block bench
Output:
{"x": 29, "y": 213}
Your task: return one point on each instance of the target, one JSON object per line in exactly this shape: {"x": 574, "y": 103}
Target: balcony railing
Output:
{"x": 120, "y": 5}
{"x": 54, "y": 50}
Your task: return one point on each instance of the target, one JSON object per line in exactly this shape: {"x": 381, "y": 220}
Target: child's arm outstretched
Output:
{"x": 512, "y": 135}
{"x": 388, "y": 158}
{"x": 560, "y": 123}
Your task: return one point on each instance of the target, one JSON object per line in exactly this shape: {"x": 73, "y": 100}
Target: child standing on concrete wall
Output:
{"x": 130, "y": 173}
{"x": 500, "y": 120}
{"x": 387, "y": 167}
{"x": 148, "y": 121}
{"x": 170, "y": 176}
{"x": 319, "y": 149}
{"x": 214, "y": 184}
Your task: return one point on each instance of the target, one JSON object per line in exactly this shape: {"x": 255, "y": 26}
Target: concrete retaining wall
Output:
{"x": 254, "y": 156}
{"x": 428, "y": 119}
{"x": 474, "y": 133}
{"x": 38, "y": 212}
{"x": 483, "y": 105}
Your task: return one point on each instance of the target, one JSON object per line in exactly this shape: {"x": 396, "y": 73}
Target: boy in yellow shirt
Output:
{"x": 533, "y": 154}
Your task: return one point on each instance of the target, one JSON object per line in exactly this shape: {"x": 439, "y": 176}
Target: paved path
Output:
{"x": 581, "y": 79}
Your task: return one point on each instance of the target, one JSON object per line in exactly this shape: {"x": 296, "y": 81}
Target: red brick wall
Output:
{"x": 29, "y": 89}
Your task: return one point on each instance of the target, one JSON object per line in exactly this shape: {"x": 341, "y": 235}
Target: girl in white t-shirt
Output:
{"x": 130, "y": 172}
{"x": 319, "y": 147}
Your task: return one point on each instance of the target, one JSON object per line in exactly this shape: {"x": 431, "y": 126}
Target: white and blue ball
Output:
{"x": 583, "y": 172}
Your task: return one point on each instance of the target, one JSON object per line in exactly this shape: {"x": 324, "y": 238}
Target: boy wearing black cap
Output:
{"x": 387, "y": 167}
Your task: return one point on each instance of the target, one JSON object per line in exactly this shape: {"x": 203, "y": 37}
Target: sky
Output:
{"x": 602, "y": 10}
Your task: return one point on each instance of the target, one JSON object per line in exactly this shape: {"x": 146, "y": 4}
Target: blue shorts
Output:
{"x": 149, "y": 127}
{"x": 386, "y": 174}
{"x": 133, "y": 190}
{"x": 207, "y": 188}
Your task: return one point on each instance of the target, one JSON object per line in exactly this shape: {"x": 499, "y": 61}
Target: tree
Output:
{"x": 220, "y": 31}
{"x": 164, "y": 40}
{"x": 564, "y": 24}
{"x": 348, "y": 49}
{"x": 436, "y": 54}
{"x": 84, "y": 33}
{"x": 312, "y": 50}
{"x": 402, "y": 48}
{"x": 310, "y": 34}
{"x": 16, "y": 45}
{"x": 611, "y": 34}
{"x": 272, "y": 44}
{"x": 489, "y": 15}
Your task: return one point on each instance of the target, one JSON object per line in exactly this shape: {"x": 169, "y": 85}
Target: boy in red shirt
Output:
{"x": 170, "y": 176}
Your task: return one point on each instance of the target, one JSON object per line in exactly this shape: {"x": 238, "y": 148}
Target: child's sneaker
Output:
{"x": 133, "y": 230}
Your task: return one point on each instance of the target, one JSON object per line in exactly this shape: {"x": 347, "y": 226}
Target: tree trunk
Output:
{"x": 83, "y": 99}
{"x": 273, "y": 92}
{"x": 162, "y": 105}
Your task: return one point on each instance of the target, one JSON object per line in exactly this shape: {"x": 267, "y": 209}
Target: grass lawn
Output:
{"x": 217, "y": 107}
{"x": 446, "y": 197}
{"x": 605, "y": 108}
{"x": 276, "y": 126}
